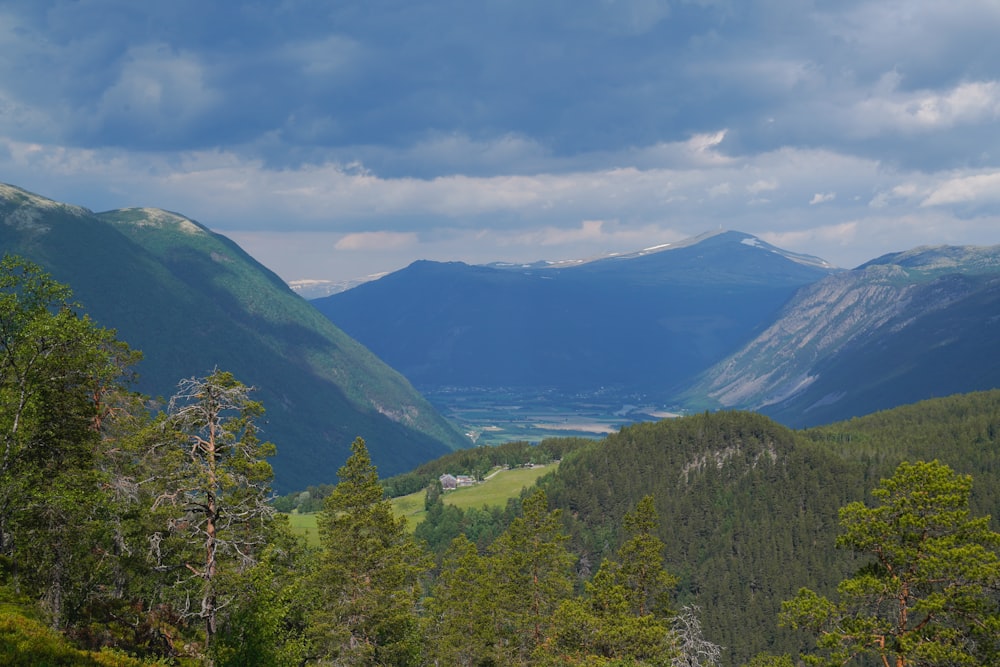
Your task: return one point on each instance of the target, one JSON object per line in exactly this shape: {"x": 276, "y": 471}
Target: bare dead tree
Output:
{"x": 694, "y": 649}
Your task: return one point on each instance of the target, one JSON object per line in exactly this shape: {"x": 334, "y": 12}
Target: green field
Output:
{"x": 498, "y": 415}
{"x": 494, "y": 491}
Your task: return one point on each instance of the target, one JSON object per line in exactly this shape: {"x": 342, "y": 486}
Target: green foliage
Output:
{"x": 25, "y": 641}
{"x": 768, "y": 660}
{"x": 57, "y": 371}
{"x": 742, "y": 503}
{"x": 624, "y": 616}
{"x": 267, "y": 621}
{"x": 216, "y": 484}
{"x": 460, "y": 621}
{"x": 498, "y": 608}
{"x": 928, "y": 593}
{"x": 478, "y": 461}
{"x": 368, "y": 579}
{"x": 530, "y": 573}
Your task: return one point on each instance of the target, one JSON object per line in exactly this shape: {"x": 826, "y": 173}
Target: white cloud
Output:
{"x": 891, "y": 110}
{"x": 720, "y": 190}
{"x": 901, "y": 192}
{"x": 340, "y": 216}
{"x": 376, "y": 241}
{"x": 332, "y": 55}
{"x": 966, "y": 189}
{"x": 761, "y": 186}
{"x": 159, "y": 89}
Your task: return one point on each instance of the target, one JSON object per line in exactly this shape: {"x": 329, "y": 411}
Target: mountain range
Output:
{"x": 898, "y": 329}
{"x": 192, "y": 301}
{"x": 648, "y": 321}
{"x": 723, "y": 320}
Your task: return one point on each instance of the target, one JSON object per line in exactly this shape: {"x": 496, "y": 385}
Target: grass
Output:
{"x": 497, "y": 490}
{"x": 493, "y": 492}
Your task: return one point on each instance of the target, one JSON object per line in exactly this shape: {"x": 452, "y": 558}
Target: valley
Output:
{"x": 779, "y": 365}
{"x": 490, "y": 416}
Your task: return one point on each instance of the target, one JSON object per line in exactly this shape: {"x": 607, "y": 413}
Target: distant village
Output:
{"x": 452, "y": 482}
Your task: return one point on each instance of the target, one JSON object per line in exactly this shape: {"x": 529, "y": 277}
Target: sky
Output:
{"x": 338, "y": 139}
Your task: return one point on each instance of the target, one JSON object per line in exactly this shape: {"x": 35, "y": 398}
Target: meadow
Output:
{"x": 495, "y": 490}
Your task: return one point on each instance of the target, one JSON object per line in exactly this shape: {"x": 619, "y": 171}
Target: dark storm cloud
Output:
{"x": 840, "y": 127}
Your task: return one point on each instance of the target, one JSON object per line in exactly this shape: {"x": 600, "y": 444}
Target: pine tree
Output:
{"x": 531, "y": 574}
{"x": 928, "y": 594}
{"x": 625, "y": 614}
{"x": 368, "y": 581}
{"x": 217, "y": 487}
{"x": 459, "y": 618}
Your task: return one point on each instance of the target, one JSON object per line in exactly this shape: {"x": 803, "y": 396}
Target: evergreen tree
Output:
{"x": 217, "y": 487}
{"x": 55, "y": 367}
{"x": 368, "y": 580}
{"x": 460, "y": 616}
{"x": 625, "y": 615}
{"x": 530, "y": 571}
{"x": 928, "y": 596}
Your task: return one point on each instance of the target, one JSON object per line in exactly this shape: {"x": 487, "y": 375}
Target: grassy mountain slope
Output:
{"x": 901, "y": 328}
{"x": 748, "y": 508}
{"x": 192, "y": 300}
{"x": 646, "y": 322}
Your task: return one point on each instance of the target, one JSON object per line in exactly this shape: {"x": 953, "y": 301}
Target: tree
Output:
{"x": 56, "y": 368}
{"x": 928, "y": 595}
{"x": 368, "y": 580}
{"x": 530, "y": 572}
{"x": 217, "y": 490}
{"x": 626, "y": 615}
{"x": 459, "y": 618}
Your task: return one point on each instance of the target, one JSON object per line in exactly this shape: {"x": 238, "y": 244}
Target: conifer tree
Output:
{"x": 531, "y": 574}
{"x": 368, "y": 581}
{"x": 928, "y": 595}
{"x": 625, "y": 615}
{"x": 217, "y": 484}
{"x": 52, "y": 362}
{"x": 460, "y": 619}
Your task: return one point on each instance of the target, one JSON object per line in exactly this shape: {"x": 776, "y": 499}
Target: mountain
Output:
{"x": 647, "y": 321}
{"x": 898, "y": 329}
{"x": 192, "y": 301}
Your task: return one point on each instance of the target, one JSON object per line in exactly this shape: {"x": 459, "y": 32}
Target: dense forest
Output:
{"x": 137, "y": 531}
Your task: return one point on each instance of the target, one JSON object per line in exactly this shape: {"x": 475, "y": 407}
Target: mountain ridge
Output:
{"x": 921, "y": 297}
{"x": 193, "y": 300}
{"x": 454, "y": 324}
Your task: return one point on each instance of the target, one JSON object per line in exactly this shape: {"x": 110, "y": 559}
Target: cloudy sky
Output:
{"x": 337, "y": 138}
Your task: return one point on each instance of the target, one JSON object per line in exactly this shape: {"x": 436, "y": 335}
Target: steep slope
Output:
{"x": 748, "y": 508}
{"x": 901, "y": 328}
{"x": 192, "y": 300}
{"x": 648, "y": 321}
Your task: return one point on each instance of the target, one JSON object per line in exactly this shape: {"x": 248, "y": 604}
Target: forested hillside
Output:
{"x": 192, "y": 301}
{"x": 749, "y": 508}
{"x": 142, "y": 532}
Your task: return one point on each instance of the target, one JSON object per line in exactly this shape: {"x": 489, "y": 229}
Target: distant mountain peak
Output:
{"x": 718, "y": 237}
{"x": 157, "y": 217}
{"x": 21, "y": 197}
{"x": 942, "y": 258}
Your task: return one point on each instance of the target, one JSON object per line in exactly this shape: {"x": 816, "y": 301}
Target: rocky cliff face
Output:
{"x": 835, "y": 318}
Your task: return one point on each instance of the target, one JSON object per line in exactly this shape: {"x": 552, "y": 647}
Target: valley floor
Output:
{"x": 491, "y": 416}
